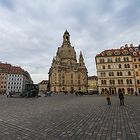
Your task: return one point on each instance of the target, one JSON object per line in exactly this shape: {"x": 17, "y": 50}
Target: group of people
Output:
{"x": 121, "y": 97}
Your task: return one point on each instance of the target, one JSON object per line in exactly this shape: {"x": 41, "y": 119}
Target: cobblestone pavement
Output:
{"x": 68, "y": 117}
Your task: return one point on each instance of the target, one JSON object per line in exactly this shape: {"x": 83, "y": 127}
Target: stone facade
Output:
{"x": 43, "y": 86}
{"x": 66, "y": 74}
{"x": 92, "y": 83}
{"x": 119, "y": 69}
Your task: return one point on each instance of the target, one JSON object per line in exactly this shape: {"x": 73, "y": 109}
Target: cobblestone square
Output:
{"x": 69, "y": 117}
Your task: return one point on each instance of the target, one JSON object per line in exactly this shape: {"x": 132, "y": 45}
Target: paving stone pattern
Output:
{"x": 68, "y": 117}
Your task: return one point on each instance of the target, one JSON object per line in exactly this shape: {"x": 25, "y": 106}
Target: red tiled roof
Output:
{"x": 135, "y": 51}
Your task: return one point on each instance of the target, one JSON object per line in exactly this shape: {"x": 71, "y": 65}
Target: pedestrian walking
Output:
{"x": 108, "y": 98}
{"x": 7, "y": 94}
{"x": 121, "y": 97}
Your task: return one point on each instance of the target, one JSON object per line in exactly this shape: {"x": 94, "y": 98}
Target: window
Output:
{"x": 129, "y": 73}
{"x": 103, "y": 82}
{"x": 112, "y": 82}
{"x": 103, "y": 66}
{"x": 71, "y": 76}
{"x": 137, "y": 73}
{"x": 109, "y": 59}
{"x": 109, "y": 67}
{"x": 135, "y": 66}
{"x": 120, "y": 66}
{"x": 134, "y": 59}
{"x": 129, "y": 81}
{"x": 111, "y": 73}
{"x": 126, "y": 59}
{"x": 103, "y": 74}
{"x": 117, "y": 59}
{"x": 101, "y": 60}
{"x": 126, "y": 65}
{"x": 119, "y": 73}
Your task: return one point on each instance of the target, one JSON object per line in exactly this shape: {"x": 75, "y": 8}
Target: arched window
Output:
{"x": 120, "y": 73}
{"x": 129, "y": 73}
{"x": 101, "y": 60}
{"x": 127, "y": 81}
{"x": 103, "y": 66}
{"x": 128, "y": 66}
{"x": 125, "y": 65}
{"x": 118, "y": 81}
{"x": 120, "y": 66}
{"x": 128, "y": 90}
{"x": 109, "y": 67}
{"x": 127, "y": 58}
{"x": 111, "y": 73}
{"x": 103, "y": 74}
{"x": 71, "y": 76}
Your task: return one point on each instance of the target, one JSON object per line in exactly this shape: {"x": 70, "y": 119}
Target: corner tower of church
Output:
{"x": 66, "y": 74}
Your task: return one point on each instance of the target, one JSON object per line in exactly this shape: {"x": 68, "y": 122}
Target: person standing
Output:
{"x": 121, "y": 97}
{"x": 108, "y": 98}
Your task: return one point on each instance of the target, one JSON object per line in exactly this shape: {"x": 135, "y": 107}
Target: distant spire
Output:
{"x": 81, "y": 55}
{"x": 66, "y": 32}
{"x": 81, "y": 59}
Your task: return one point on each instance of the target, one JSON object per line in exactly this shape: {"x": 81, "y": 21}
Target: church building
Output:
{"x": 66, "y": 74}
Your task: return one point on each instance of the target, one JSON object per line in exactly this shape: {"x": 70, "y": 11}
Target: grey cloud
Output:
{"x": 31, "y": 32}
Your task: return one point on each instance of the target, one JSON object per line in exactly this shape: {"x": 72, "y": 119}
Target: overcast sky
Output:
{"x": 32, "y": 30}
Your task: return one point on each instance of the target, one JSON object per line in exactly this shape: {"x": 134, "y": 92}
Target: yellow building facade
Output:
{"x": 119, "y": 69}
{"x": 66, "y": 74}
{"x": 92, "y": 83}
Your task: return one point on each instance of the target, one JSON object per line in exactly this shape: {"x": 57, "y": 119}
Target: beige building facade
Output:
{"x": 92, "y": 84}
{"x": 66, "y": 74}
{"x": 43, "y": 86}
{"x": 118, "y": 69}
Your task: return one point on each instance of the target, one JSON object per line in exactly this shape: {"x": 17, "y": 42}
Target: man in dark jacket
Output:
{"x": 121, "y": 97}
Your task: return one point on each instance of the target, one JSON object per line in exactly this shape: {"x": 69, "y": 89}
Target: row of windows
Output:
{"x": 11, "y": 87}
{"x": 14, "y": 87}
{"x": 15, "y": 75}
{"x": 119, "y": 73}
{"x": 3, "y": 82}
{"x": 129, "y": 90}
{"x": 137, "y": 66}
{"x": 3, "y": 78}
{"x": 14, "y": 83}
{"x": 112, "y": 82}
{"x": 14, "y": 79}
{"x": 118, "y": 59}
{"x": 3, "y": 86}
{"x": 136, "y": 59}
{"x": 119, "y": 66}
{"x": 3, "y": 74}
